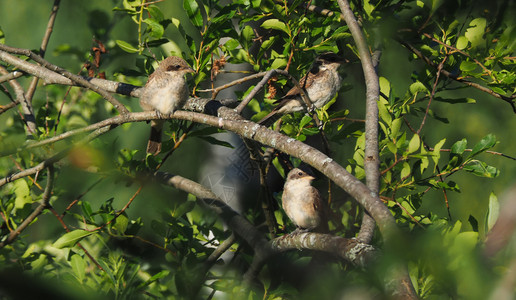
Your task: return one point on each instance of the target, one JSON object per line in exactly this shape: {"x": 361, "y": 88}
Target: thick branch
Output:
{"x": 372, "y": 161}
{"x": 351, "y": 250}
{"x": 238, "y": 224}
{"x": 308, "y": 154}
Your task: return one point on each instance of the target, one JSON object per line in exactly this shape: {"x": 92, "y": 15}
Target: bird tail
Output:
{"x": 154, "y": 144}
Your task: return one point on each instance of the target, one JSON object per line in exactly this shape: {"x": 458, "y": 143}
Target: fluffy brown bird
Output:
{"x": 302, "y": 202}
{"x": 166, "y": 91}
{"x": 321, "y": 84}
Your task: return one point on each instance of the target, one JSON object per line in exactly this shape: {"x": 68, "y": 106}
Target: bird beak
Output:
{"x": 190, "y": 70}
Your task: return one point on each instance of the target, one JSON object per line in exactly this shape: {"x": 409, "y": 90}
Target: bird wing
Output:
{"x": 320, "y": 208}
{"x": 296, "y": 91}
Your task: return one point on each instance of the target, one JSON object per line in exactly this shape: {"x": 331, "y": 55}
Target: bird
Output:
{"x": 166, "y": 91}
{"x": 302, "y": 203}
{"x": 321, "y": 84}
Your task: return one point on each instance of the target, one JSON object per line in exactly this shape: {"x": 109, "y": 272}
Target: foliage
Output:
{"x": 105, "y": 248}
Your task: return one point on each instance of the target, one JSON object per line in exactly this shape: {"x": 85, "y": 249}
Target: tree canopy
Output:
{"x": 414, "y": 156}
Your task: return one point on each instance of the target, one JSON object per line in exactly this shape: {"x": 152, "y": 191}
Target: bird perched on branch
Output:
{"x": 302, "y": 202}
{"x": 321, "y": 84}
{"x": 166, "y": 91}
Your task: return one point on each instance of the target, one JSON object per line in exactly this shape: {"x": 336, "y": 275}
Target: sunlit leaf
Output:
{"x": 69, "y": 239}
{"x": 459, "y": 147}
{"x": 475, "y": 32}
{"x": 275, "y": 24}
{"x": 126, "y": 46}
{"x": 413, "y": 144}
{"x": 78, "y": 267}
{"x": 462, "y": 42}
{"x": 493, "y": 212}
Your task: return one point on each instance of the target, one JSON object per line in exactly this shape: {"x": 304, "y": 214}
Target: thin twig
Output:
{"x": 36, "y": 212}
{"x": 432, "y": 94}
{"x": 43, "y": 48}
{"x": 76, "y": 78}
{"x": 487, "y": 151}
{"x": 508, "y": 99}
{"x": 28, "y": 113}
{"x": 56, "y": 214}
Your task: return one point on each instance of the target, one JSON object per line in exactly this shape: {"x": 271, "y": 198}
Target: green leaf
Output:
{"x": 2, "y": 36}
{"x": 456, "y": 100}
{"x": 22, "y": 192}
{"x": 480, "y": 168}
{"x": 405, "y": 171}
{"x": 459, "y": 147}
{"x": 414, "y": 144}
{"x": 436, "y": 154}
{"x": 304, "y": 121}
{"x": 385, "y": 86}
{"x": 384, "y": 112}
{"x": 392, "y": 147}
{"x": 126, "y": 46}
{"x": 310, "y": 131}
{"x": 194, "y": 13}
{"x": 279, "y": 63}
{"x": 417, "y": 87}
{"x": 121, "y": 223}
{"x": 395, "y": 127}
{"x": 231, "y": 44}
{"x": 487, "y": 142}
{"x": 156, "y": 13}
{"x": 462, "y": 42}
{"x": 275, "y": 24}
{"x": 156, "y": 29}
{"x": 247, "y": 35}
{"x": 86, "y": 210}
{"x": 69, "y": 239}
{"x": 468, "y": 66}
{"x": 183, "y": 209}
{"x": 492, "y": 212}
{"x": 78, "y": 267}
{"x": 215, "y": 141}
{"x": 475, "y": 32}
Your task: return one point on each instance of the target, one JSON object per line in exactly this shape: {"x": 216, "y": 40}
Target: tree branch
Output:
{"x": 43, "y": 48}
{"x": 28, "y": 113}
{"x": 290, "y": 146}
{"x": 404, "y": 287}
{"x": 42, "y": 205}
{"x": 510, "y": 100}
{"x": 75, "y": 78}
{"x": 351, "y": 250}
{"x": 372, "y": 161}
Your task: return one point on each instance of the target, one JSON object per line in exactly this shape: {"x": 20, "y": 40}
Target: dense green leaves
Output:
{"x": 141, "y": 239}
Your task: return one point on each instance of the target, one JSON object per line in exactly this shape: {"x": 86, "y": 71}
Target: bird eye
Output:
{"x": 300, "y": 173}
{"x": 173, "y": 67}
